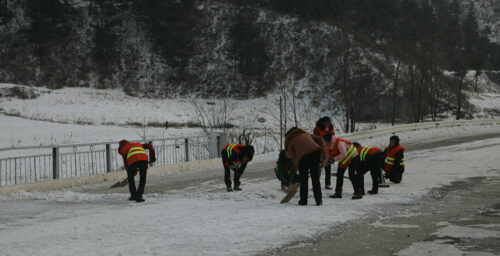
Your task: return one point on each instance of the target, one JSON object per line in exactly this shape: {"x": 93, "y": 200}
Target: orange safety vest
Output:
{"x": 351, "y": 150}
{"x": 390, "y": 156}
{"x": 134, "y": 152}
{"x": 320, "y": 132}
{"x": 365, "y": 151}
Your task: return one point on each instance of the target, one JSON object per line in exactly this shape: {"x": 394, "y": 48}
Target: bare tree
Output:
{"x": 395, "y": 93}
{"x": 460, "y": 81}
{"x": 213, "y": 115}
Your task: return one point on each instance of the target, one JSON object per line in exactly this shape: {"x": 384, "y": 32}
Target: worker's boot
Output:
{"x": 356, "y": 196}
{"x": 336, "y": 195}
{"x": 139, "y": 199}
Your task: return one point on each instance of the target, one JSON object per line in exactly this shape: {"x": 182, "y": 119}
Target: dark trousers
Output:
{"x": 309, "y": 164}
{"x": 328, "y": 175}
{"x": 395, "y": 175}
{"x": 374, "y": 164}
{"x": 142, "y": 168}
{"x": 238, "y": 172}
{"x": 353, "y": 176}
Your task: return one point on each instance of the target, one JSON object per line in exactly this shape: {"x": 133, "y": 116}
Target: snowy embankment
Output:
{"x": 113, "y": 108}
{"x": 207, "y": 220}
{"x": 33, "y": 116}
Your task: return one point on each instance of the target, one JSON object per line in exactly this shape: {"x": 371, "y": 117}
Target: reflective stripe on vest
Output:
{"x": 134, "y": 151}
{"x": 350, "y": 152}
{"x": 390, "y": 161}
{"x": 363, "y": 153}
{"x": 230, "y": 149}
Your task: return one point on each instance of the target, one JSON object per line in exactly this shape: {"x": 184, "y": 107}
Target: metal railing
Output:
{"x": 31, "y": 164}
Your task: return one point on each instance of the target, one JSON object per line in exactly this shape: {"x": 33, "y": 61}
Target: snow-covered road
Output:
{"x": 206, "y": 220}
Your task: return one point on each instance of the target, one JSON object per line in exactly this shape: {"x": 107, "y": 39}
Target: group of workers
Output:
{"x": 308, "y": 153}
{"x": 304, "y": 152}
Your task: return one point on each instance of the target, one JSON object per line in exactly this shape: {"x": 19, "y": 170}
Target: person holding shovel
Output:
{"x": 135, "y": 161}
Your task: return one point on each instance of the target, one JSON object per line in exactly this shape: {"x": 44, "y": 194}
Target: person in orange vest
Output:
{"x": 394, "y": 160}
{"x": 345, "y": 153}
{"x": 371, "y": 159}
{"x": 324, "y": 126}
{"x": 235, "y": 157}
{"x": 136, "y": 161}
{"x": 307, "y": 152}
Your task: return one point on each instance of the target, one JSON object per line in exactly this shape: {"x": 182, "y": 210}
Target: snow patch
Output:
{"x": 379, "y": 224}
{"x": 440, "y": 247}
{"x": 466, "y": 232}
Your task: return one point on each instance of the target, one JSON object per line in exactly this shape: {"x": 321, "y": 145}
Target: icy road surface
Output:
{"x": 203, "y": 219}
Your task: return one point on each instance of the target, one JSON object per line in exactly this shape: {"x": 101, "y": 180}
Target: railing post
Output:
{"x": 186, "y": 147}
{"x": 55, "y": 163}
{"x": 150, "y": 142}
{"x": 108, "y": 158}
{"x": 219, "y": 146}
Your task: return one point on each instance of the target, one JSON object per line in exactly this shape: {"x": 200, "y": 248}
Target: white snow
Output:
{"x": 207, "y": 220}
{"x": 466, "y": 232}
{"x": 443, "y": 245}
{"x": 114, "y": 107}
{"x": 379, "y": 224}
{"x": 203, "y": 219}
{"x": 486, "y": 225}
{"x": 440, "y": 247}
{"x": 24, "y": 132}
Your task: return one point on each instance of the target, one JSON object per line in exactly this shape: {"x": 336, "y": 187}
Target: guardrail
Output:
{"x": 419, "y": 126}
{"x": 22, "y": 165}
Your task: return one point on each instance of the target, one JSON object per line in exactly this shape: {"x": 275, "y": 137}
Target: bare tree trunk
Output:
{"x": 353, "y": 120}
{"x": 412, "y": 94}
{"x": 347, "y": 109}
{"x": 476, "y": 76}
{"x": 285, "y": 114}
{"x": 294, "y": 107}
{"x": 420, "y": 112}
{"x": 435, "y": 96}
{"x": 459, "y": 104}
{"x": 394, "y": 94}
{"x": 281, "y": 123}
{"x": 346, "y": 129}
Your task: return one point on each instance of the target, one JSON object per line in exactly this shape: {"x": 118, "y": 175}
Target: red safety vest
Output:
{"x": 321, "y": 133}
{"x": 364, "y": 151}
{"x": 236, "y": 148}
{"x": 134, "y": 152}
{"x": 390, "y": 156}
{"x": 351, "y": 150}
